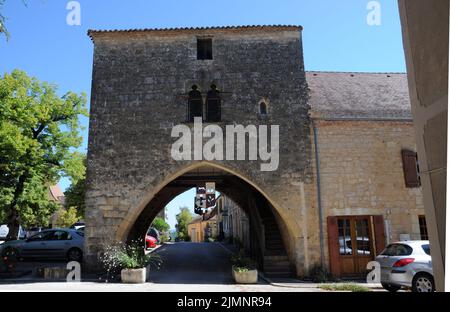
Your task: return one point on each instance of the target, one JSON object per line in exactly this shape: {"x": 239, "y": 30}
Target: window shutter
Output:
{"x": 380, "y": 237}
{"x": 333, "y": 246}
{"x": 410, "y": 168}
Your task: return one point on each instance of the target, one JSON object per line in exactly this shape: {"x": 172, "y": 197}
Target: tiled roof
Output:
{"x": 92, "y": 32}
{"x": 347, "y": 95}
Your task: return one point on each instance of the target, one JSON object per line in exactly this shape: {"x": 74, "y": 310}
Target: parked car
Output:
{"x": 150, "y": 242}
{"x": 155, "y": 233}
{"x": 362, "y": 245}
{"x": 33, "y": 231}
{"x": 48, "y": 244}
{"x": 77, "y": 225}
{"x": 407, "y": 264}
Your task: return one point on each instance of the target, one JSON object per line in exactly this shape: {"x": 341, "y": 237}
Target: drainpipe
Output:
{"x": 319, "y": 195}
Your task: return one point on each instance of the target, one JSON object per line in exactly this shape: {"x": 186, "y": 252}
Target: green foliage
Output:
{"x": 75, "y": 193}
{"x": 38, "y": 133}
{"x": 165, "y": 237}
{"x": 345, "y": 287}
{"x": 3, "y": 29}
{"x": 128, "y": 256}
{"x": 184, "y": 217}
{"x": 161, "y": 225}
{"x": 67, "y": 217}
{"x": 241, "y": 263}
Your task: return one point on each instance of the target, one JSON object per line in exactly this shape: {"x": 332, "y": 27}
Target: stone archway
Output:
{"x": 132, "y": 221}
{"x": 267, "y": 241}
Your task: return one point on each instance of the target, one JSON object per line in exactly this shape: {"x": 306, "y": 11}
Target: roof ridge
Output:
{"x": 90, "y": 31}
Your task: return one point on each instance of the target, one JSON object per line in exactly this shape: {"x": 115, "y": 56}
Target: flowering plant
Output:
{"x": 120, "y": 256}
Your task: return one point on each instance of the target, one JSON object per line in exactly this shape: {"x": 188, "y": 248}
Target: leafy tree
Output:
{"x": 75, "y": 193}
{"x": 66, "y": 217}
{"x": 161, "y": 225}
{"x": 38, "y": 133}
{"x": 184, "y": 217}
{"x": 3, "y": 29}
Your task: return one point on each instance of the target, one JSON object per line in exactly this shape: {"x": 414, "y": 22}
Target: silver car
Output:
{"x": 49, "y": 244}
{"x": 407, "y": 264}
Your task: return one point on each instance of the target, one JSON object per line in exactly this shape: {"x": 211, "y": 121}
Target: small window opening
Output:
{"x": 213, "y": 105}
{"x": 263, "y": 108}
{"x": 195, "y": 104}
{"x": 204, "y": 49}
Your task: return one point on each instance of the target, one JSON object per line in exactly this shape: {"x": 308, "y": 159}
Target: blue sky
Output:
{"x": 336, "y": 36}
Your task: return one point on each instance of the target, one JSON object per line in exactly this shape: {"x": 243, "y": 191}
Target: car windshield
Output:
{"x": 397, "y": 250}
{"x": 426, "y": 248}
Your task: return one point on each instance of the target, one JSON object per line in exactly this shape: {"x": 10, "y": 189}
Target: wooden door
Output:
{"x": 352, "y": 243}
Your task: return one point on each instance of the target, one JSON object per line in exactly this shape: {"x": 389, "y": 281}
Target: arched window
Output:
{"x": 263, "y": 108}
{"x": 195, "y": 104}
{"x": 213, "y": 105}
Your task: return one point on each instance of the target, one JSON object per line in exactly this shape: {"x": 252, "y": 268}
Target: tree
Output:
{"x": 75, "y": 193}
{"x": 38, "y": 134}
{"x": 161, "y": 225}
{"x": 184, "y": 217}
{"x": 3, "y": 29}
{"x": 66, "y": 217}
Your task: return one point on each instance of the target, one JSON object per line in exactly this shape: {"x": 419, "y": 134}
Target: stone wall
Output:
{"x": 140, "y": 81}
{"x": 361, "y": 173}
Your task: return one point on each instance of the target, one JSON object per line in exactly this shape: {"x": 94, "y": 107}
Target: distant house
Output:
{"x": 56, "y": 194}
{"x": 203, "y": 227}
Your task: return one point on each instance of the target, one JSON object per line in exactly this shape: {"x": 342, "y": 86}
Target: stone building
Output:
{"x": 233, "y": 224}
{"x": 202, "y": 228}
{"x": 346, "y": 144}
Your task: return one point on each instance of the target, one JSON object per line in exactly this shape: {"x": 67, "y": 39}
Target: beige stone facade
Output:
{"x": 361, "y": 173}
{"x": 359, "y": 121}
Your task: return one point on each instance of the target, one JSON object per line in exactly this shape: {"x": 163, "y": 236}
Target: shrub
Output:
{"x": 242, "y": 263}
{"x": 120, "y": 256}
{"x": 345, "y": 287}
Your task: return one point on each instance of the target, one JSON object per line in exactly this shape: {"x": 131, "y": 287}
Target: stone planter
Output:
{"x": 248, "y": 277}
{"x": 134, "y": 276}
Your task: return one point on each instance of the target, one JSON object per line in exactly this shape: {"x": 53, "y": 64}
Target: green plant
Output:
{"x": 160, "y": 224}
{"x": 120, "y": 256}
{"x": 67, "y": 217}
{"x": 241, "y": 263}
{"x": 345, "y": 287}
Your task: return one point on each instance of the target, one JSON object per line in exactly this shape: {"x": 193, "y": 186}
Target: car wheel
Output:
{"x": 75, "y": 254}
{"x": 390, "y": 287}
{"x": 423, "y": 282}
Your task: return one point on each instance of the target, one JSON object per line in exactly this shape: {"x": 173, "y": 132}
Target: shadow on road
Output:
{"x": 193, "y": 263}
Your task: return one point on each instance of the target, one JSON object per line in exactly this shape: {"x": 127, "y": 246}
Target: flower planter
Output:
{"x": 134, "y": 276}
{"x": 247, "y": 277}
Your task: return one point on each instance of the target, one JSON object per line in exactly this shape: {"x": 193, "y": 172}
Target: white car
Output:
{"x": 407, "y": 264}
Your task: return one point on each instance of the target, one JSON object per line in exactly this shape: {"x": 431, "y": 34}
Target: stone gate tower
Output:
{"x": 147, "y": 81}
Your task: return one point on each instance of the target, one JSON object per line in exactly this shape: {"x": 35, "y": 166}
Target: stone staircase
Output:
{"x": 276, "y": 262}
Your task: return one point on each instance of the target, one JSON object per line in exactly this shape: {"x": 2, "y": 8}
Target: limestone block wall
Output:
{"x": 140, "y": 82}
{"x": 362, "y": 174}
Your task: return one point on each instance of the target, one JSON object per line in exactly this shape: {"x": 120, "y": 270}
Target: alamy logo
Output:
{"x": 238, "y": 143}
{"x": 374, "y": 15}
{"x": 74, "y": 16}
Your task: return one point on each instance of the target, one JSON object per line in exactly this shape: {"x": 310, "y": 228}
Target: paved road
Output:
{"x": 193, "y": 263}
